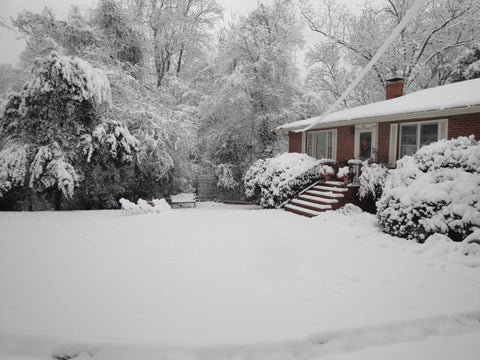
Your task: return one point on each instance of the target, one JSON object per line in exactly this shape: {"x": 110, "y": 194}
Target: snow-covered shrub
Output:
{"x": 272, "y": 181}
{"x": 350, "y": 209}
{"x": 343, "y": 172}
{"x": 372, "y": 180}
{"x": 143, "y": 207}
{"x": 327, "y": 170}
{"x": 435, "y": 191}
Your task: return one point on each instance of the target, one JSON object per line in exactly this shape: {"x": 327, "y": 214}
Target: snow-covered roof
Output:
{"x": 457, "y": 95}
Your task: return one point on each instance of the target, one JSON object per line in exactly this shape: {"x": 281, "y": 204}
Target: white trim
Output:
{"x": 334, "y": 144}
{"x": 373, "y": 128}
{"x": 304, "y": 143}
{"x": 442, "y": 130}
{"x": 392, "y": 150}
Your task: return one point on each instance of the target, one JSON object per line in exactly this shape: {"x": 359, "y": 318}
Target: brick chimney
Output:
{"x": 394, "y": 88}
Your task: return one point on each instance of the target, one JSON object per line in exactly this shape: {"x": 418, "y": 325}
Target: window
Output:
{"x": 414, "y": 136}
{"x": 322, "y": 144}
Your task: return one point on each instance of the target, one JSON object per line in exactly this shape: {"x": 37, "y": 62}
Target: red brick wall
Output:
{"x": 345, "y": 143}
{"x": 464, "y": 125}
{"x": 383, "y": 144}
{"x": 294, "y": 142}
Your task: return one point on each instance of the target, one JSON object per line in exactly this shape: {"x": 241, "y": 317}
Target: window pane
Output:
{"x": 365, "y": 145}
{"x": 321, "y": 144}
{"x": 310, "y": 144}
{"x": 408, "y": 141}
{"x": 428, "y": 134}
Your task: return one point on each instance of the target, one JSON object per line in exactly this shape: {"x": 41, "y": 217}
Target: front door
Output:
{"x": 365, "y": 141}
{"x": 365, "y": 144}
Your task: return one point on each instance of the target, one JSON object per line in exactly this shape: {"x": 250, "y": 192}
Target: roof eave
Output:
{"x": 394, "y": 117}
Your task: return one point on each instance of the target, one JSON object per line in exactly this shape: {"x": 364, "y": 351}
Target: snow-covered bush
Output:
{"x": 327, "y": 170}
{"x": 143, "y": 207}
{"x": 343, "y": 172}
{"x": 435, "y": 191}
{"x": 372, "y": 180}
{"x": 272, "y": 181}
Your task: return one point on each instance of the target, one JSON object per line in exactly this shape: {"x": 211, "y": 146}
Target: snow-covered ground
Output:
{"x": 230, "y": 282}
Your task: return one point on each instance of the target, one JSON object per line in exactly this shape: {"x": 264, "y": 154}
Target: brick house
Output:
{"x": 387, "y": 130}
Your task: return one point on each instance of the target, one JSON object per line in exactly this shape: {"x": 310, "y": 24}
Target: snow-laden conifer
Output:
{"x": 13, "y": 166}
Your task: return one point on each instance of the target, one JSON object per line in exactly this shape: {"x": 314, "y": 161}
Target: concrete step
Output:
{"x": 311, "y": 205}
{"x": 330, "y": 188}
{"x": 328, "y": 194}
{"x": 335, "y": 183}
{"x": 301, "y": 211}
{"x": 320, "y": 198}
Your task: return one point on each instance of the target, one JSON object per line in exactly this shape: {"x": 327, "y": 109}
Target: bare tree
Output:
{"x": 442, "y": 30}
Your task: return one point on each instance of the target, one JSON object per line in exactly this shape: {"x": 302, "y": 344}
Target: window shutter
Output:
{"x": 443, "y": 129}
{"x": 392, "y": 153}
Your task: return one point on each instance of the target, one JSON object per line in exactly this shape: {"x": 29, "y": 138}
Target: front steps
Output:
{"x": 330, "y": 195}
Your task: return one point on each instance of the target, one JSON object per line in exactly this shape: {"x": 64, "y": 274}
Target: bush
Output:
{"x": 434, "y": 191}
{"x": 274, "y": 180}
{"x": 372, "y": 182}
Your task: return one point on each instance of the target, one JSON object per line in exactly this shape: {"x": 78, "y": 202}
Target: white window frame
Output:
{"x": 373, "y": 128}
{"x": 442, "y": 131}
{"x": 314, "y": 145}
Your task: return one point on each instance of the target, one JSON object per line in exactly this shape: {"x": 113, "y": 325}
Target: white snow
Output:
{"x": 143, "y": 207}
{"x": 461, "y": 94}
{"x": 229, "y": 282}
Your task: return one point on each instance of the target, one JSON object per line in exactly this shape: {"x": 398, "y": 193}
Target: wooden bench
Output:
{"x": 184, "y": 198}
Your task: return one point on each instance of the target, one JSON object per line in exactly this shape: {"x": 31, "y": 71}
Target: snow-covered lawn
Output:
{"x": 230, "y": 283}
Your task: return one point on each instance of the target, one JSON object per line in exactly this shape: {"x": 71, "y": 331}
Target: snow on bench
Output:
{"x": 183, "y": 198}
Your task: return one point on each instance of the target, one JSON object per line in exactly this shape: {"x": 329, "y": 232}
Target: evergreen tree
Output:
{"x": 53, "y": 130}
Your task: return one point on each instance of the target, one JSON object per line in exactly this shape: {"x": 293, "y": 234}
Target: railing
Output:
{"x": 314, "y": 173}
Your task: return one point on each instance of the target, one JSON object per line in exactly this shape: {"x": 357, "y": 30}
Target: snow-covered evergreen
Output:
{"x": 272, "y": 181}
{"x": 53, "y": 129}
{"x": 372, "y": 180}
{"x": 435, "y": 191}
{"x": 13, "y": 166}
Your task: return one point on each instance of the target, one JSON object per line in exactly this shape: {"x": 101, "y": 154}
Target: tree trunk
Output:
{"x": 58, "y": 200}
{"x": 179, "y": 63}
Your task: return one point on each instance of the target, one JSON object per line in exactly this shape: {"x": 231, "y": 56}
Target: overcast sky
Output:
{"x": 10, "y": 48}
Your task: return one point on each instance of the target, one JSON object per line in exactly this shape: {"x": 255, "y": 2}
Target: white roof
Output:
{"x": 457, "y": 95}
